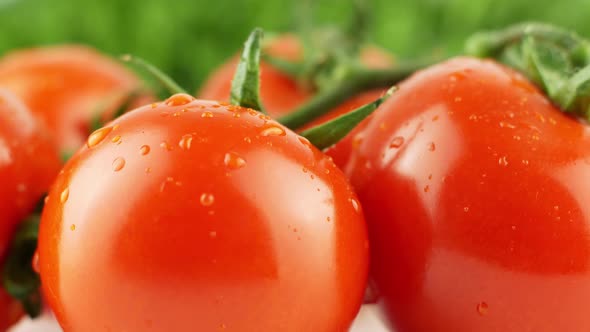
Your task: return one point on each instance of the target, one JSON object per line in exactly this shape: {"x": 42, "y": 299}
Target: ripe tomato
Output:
{"x": 28, "y": 164}
{"x": 281, "y": 93}
{"x": 66, "y": 86}
{"x": 219, "y": 218}
{"x": 476, "y": 198}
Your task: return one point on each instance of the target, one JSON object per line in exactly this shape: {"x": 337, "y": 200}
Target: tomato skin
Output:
{"x": 242, "y": 225}
{"x": 66, "y": 86}
{"x": 476, "y": 197}
{"x": 28, "y": 164}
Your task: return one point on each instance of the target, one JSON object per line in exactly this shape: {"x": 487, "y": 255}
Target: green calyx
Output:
{"x": 245, "y": 88}
{"x": 331, "y": 132}
{"x": 555, "y": 59}
{"x": 18, "y": 277}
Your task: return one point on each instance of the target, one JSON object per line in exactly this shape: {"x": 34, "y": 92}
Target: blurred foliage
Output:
{"x": 187, "y": 38}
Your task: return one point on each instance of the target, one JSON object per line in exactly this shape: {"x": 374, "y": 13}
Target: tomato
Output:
{"x": 66, "y": 86}
{"x": 192, "y": 215}
{"x": 28, "y": 163}
{"x": 476, "y": 198}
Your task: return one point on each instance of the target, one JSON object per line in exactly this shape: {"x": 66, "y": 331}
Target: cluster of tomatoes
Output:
{"x": 463, "y": 199}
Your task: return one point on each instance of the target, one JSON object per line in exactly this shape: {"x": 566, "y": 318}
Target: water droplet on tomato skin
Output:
{"x": 273, "y": 130}
{"x": 98, "y": 136}
{"x": 426, "y": 188}
{"x": 65, "y": 194}
{"x": 213, "y": 234}
{"x": 144, "y": 150}
{"x": 186, "y": 142}
{"x": 207, "y": 114}
{"x": 116, "y": 139}
{"x": 396, "y": 142}
{"x": 166, "y": 146}
{"x": 118, "y": 164}
{"x": 207, "y": 199}
{"x": 179, "y": 99}
{"x": 431, "y": 146}
{"x": 233, "y": 161}
{"x": 503, "y": 161}
{"x": 72, "y": 227}
{"x": 482, "y": 308}
{"x": 35, "y": 262}
{"x": 355, "y": 205}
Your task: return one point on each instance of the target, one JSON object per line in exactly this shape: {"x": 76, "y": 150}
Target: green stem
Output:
{"x": 19, "y": 278}
{"x": 357, "y": 80}
{"x": 167, "y": 82}
{"x": 245, "y": 88}
{"x": 329, "y": 133}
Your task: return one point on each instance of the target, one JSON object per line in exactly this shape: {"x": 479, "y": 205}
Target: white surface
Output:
{"x": 367, "y": 321}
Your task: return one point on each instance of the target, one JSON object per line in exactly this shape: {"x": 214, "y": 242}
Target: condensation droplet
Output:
{"x": 207, "y": 199}
{"x": 396, "y": 142}
{"x": 233, "y": 161}
{"x": 466, "y": 209}
{"x": 213, "y": 234}
{"x": 116, "y": 139}
{"x": 118, "y": 164}
{"x": 355, "y": 204}
{"x": 65, "y": 194}
{"x": 503, "y": 161}
{"x": 186, "y": 142}
{"x": 98, "y": 136}
{"x": 431, "y": 146}
{"x": 144, "y": 150}
{"x": 207, "y": 114}
{"x": 179, "y": 99}
{"x": 458, "y": 99}
{"x": 426, "y": 188}
{"x": 166, "y": 146}
{"x": 72, "y": 227}
{"x": 273, "y": 130}
{"x": 35, "y": 262}
{"x": 482, "y": 308}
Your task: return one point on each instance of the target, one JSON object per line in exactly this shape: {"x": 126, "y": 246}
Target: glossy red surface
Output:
{"x": 28, "y": 164}
{"x": 67, "y": 86}
{"x": 476, "y": 189}
{"x": 191, "y": 215}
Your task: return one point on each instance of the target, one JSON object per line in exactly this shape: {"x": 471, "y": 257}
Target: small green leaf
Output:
{"x": 331, "y": 132}
{"x": 245, "y": 88}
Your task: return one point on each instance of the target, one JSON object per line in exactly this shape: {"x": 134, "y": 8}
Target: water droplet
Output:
{"x": 233, "y": 161}
{"x": 144, "y": 150}
{"x": 473, "y": 117}
{"x": 556, "y": 208}
{"x": 304, "y": 170}
{"x": 148, "y": 170}
{"x": 46, "y": 199}
{"x": 466, "y": 209}
{"x": 430, "y": 177}
{"x": 166, "y": 146}
{"x": 431, "y": 146}
{"x": 434, "y": 118}
{"x": 273, "y": 130}
{"x": 504, "y": 124}
{"x": 118, "y": 164}
{"x": 207, "y": 114}
{"x": 458, "y": 99}
{"x": 98, "y": 136}
{"x": 213, "y": 234}
{"x": 552, "y": 121}
{"x": 72, "y": 227}
{"x": 186, "y": 142}
{"x": 482, "y": 308}
{"x": 426, "y": 188}
{"x": 525, "y": 162}
{"x": 513, "y": 227}
{"x": 35, "y": 262}
{"x": 535, "y": 137}
{"x": 154, "y": 105}
{"x": 328, "y": 219}
{"x": 396, "y": 142}
{"x": 247, "y": 139}
{"x": 355, "y": 205}
{"x": 207, "y": 199}
{"x": 503, "y": 161}
{"x": 65, "y": 194}
{"x": 179, "y": 99}
{"x": 116, "y": 139}
{"x": 382, "y": 126}
{"x": 516, "y": 137}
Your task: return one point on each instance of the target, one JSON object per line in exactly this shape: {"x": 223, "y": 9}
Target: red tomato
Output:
{"x": 28, "y": 163}
{"x": 190, "y": 215}
{"x": 66, "y": 86}
{"x": 476, "y": 196}
{"x": 281, "y": 93}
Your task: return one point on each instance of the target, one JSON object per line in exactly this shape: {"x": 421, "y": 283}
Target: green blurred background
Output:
{"x": 187, "y": 38}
